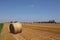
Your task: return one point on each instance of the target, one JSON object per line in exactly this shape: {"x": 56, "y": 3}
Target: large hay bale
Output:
{"x": 15, "y": 27}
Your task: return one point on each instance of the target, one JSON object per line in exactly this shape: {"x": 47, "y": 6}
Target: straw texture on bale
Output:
{"x": 15, "y": 27}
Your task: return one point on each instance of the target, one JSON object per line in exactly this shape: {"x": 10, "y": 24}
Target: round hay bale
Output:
{"x": 15, "y": 27}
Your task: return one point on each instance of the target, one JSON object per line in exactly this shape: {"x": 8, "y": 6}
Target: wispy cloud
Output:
{"x": 32, "y": 5}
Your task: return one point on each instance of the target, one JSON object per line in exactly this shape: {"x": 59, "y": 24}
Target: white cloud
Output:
{"x": 32, "y": 5}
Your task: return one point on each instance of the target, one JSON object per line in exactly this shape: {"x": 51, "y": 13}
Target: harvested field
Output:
{"x": 33, "y": 32}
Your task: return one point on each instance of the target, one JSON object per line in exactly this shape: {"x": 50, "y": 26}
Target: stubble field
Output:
{"x": 33, "y": 31}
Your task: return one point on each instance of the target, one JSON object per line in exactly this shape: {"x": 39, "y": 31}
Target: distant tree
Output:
{"x": 11, "y": 22}
{"x": 15, "y": 21}
{"x": 52, "y": 21}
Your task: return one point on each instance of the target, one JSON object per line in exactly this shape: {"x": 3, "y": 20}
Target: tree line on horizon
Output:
{"x": 50, "y": 21}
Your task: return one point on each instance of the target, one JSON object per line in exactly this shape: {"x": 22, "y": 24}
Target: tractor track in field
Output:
{"x": 28, "y": 34}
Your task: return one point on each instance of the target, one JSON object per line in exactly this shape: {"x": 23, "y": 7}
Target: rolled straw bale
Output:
{"x": 15, "y": 27}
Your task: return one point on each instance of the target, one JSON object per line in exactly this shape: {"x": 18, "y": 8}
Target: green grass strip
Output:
{"x": 1, "y": 26}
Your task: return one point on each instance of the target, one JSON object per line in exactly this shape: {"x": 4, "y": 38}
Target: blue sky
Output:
{"x": 29, "y": 10}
